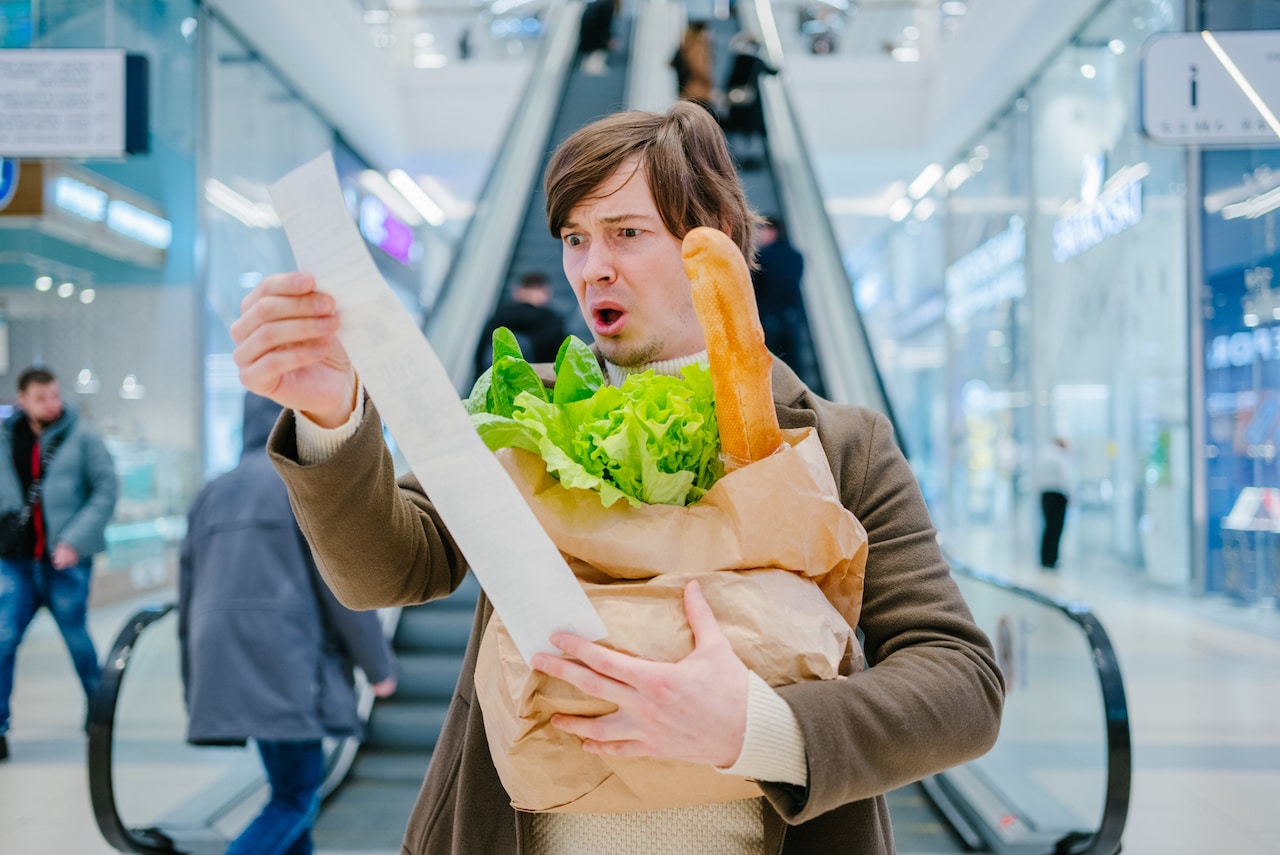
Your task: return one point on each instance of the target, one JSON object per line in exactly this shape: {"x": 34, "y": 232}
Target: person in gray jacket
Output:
{"x": 267, "y": 651}
{"x": 50, "y": 559}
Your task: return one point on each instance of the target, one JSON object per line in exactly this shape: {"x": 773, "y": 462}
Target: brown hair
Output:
{"x": 684, "y": 157}
{"x": 35, "y": 376}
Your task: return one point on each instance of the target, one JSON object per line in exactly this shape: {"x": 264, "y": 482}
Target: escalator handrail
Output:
{"x": 1106, "y": 839}
{"x": 848, "y": 366}
{"x": 102, "y": 708}
{"x": 102, "y": 711}
{"x": 475, "y": 277}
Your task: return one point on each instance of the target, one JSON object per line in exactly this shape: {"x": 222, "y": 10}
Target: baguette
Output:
{"x": 741, "y": 366}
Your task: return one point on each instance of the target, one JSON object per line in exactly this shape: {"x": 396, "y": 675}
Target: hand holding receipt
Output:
{"x": 522, "y": 572}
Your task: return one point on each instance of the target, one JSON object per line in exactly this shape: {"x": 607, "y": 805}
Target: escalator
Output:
{"x": 153, "y": 793}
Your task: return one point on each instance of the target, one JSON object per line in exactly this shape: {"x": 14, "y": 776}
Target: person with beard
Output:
{"x": 51, "y": 559}
{"x": 537, "y": 327}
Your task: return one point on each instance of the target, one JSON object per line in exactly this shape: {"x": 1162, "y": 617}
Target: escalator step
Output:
{"x": 427, "y": 676}
{"x": 423, "y": 629}
{"x": 365, "y": 816}
{"x": 918, "y": 827}
{"x": 406, "y": 725}
{"x": 405, "y": 767}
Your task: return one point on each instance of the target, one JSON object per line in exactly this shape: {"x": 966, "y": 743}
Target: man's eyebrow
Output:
{"x": 613, "y": 220}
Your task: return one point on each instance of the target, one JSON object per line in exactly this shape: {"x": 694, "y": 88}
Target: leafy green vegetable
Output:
{"x": 653, "y": 440}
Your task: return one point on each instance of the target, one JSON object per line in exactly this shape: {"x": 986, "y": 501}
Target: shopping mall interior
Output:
{"x": 1020, "y": 222}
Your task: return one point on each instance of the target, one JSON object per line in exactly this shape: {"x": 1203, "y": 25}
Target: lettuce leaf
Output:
{"x": 654, "y": 440}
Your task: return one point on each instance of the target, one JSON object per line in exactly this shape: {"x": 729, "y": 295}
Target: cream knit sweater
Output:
{"x": 772, "y": 750}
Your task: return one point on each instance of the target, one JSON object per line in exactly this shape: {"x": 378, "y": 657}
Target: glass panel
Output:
{"x": 1049, "y": 766}
{"x": 159, "y": 778}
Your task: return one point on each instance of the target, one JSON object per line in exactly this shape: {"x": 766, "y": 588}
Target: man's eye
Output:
{"x": 573, "y": 240}
{"x": 630, "y": 233}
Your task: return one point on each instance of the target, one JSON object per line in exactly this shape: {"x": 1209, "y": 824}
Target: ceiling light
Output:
{"x": 87, "y": 382}
{"x": 66, "y": 289}
{"x": 430, "y": 60}
{"x": 372, "y": 181}
{"x": 911, "y": 33}
{"x": 377, "y": 16}
{"x": 131, "y": 389}
{"x": 898, "y": 210}
{"x": 1088, "y": 71}
{"x": 44, "y": 283}
{"x": 976, "y": 164}
{"x": 88, "y": 295}
{"x": 925, "y": 209}
{"x": 1116, "y": 46}
{"x": 953, "y": 7}
{"x": 957, "y": 175}
{"x": 255, "y": 215}
{"x": 981, "y": 151}
{"x": 906, "y": 53}
{"x": 418, "y": 198}
{"x": 925, "y": 180}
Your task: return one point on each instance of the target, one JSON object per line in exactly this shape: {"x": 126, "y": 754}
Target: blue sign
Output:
{"x": 8, "y": 181}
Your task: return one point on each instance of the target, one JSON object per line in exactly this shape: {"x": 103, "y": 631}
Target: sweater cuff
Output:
{"x": 773, "y": 747}
{"x": 317, "y": 444}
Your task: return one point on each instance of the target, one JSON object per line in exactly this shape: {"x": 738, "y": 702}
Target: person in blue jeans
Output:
{"x": 267, "y": 651}
{"x": 51, "y": 562}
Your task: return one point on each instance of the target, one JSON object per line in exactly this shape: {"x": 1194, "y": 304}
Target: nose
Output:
{"x": 598, "y": 268}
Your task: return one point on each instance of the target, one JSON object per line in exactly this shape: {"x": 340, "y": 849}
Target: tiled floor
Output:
{"x": 1202, "y": 680}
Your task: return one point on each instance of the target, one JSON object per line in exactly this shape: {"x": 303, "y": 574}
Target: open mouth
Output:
{"x": 608, "y": 320}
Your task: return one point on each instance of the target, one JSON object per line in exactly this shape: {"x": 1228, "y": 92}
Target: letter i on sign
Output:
{"x": 1194, "y": 94}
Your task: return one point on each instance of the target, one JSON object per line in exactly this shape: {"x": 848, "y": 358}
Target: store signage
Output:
{"x": 137, "y": 224}
{"x": 384, "y": 230}
{"x": 8, "y": 180}
{"x": 1260, "y": 344}
{"x": 1212, "y": 88}
{"x": 1104, "y": 210}
{"x": 989, "y": 275}
{"x": 63, "y": 103}
{"x": 1256, "y": 509}
{"x": 80, "y": 199}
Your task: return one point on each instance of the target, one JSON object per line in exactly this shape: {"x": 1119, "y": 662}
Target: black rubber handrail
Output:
{"x": 1106, "y": 839}
{"x": 102, "y": 714}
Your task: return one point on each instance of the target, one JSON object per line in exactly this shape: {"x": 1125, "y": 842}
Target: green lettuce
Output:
{"x": 652, "y": 440}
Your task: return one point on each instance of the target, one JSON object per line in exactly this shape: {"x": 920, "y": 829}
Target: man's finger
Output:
{"x": 288, "y": 284}
{"x": 629, "y": 670}
{"x": 594, "y": 683}
{"x": 701, "y": 619}
{"x": 281, "y": 335}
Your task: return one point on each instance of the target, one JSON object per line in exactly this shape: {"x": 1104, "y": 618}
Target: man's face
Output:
{"x": 627, "y": 272}
{"x": 41, "y": 402}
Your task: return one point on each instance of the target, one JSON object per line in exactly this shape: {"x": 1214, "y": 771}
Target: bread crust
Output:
{"x": 741, "y": 365}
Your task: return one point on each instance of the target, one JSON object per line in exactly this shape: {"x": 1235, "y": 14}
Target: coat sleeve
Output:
{"x": 186, "y": 587}
{"x": 933, "y": 695}
{"x": 86, "y": 526}
{"x": 376, "y": 542}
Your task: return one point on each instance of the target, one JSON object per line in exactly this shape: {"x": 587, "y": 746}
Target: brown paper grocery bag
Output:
{"x": 780, "y": 562}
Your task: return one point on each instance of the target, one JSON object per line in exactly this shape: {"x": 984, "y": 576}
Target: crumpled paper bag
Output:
{"x": 780, "y": 562}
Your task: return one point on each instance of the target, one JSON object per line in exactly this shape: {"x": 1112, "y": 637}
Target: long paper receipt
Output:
{"x": 520, "y": 569}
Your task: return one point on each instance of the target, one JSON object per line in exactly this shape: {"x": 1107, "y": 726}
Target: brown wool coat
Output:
{"x": 931, "y": 699}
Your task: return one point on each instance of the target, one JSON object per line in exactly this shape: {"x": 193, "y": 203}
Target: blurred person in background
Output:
{"x": 1053, "y": 476}
{"x": 267, "y": 651}
{"x": 743, "y": 121}
{"x": 59, "y": 487}
{"x": 595, "y": 36}
{"x": 777, "y": 287}
{"x": 538, "y": 328}
{"x": 693, "y": 62}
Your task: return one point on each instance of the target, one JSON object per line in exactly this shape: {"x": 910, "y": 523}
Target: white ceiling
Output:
{"x": 869, "y": 121}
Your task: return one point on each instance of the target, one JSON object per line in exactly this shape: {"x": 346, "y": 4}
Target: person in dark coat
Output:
{"x": 267, "y": 651}
{"x": 537, "y": 327}
{"x": 777, "y": 285}
{"x": 595, "y": 35}
{"x": 744, "y": 117}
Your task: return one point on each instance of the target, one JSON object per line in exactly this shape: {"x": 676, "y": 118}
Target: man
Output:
{"x": 1053, "y": 475}
{"x": 621, "y": 193}
{"x": 266, "y": 649}
{"x": 44, "y": 441}
{"x": 777, "y": 284}
{"x": 537, "y": 327}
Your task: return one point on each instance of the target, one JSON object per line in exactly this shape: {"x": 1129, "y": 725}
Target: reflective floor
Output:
{"x": 1203, "y": 683}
